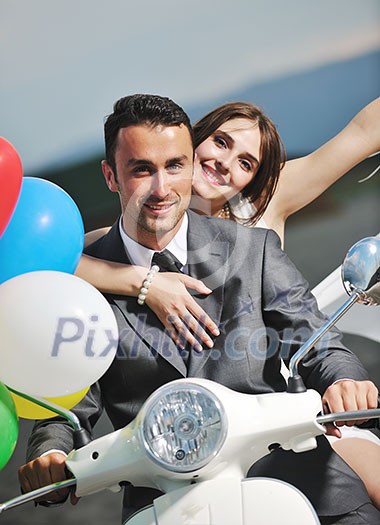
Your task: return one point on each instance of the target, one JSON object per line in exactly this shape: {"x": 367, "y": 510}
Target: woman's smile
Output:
{"x": 212, "y": 175}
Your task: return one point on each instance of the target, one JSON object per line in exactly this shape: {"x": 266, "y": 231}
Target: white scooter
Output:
{"x": 195, "y": 440}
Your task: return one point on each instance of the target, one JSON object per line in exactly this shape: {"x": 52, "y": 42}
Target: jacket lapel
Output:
{"x": 207, "y": 261}
{"x": 148, "y": 328}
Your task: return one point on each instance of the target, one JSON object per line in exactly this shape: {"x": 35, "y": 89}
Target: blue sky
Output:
{"x": 64, "y": 63}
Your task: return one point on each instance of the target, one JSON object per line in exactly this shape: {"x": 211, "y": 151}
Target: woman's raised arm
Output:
{"x": 303, "y": 180}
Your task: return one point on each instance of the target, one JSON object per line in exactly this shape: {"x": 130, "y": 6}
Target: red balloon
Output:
{"x": 10, "y": 181}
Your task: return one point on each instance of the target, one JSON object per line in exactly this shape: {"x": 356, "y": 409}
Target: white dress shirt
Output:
{"x": 142, "y": 256}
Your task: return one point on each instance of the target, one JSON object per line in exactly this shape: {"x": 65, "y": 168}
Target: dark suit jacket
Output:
{"x": 263, "y": 307}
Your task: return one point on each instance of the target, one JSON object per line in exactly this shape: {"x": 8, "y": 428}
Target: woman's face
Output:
{"x": 227, "y": 161}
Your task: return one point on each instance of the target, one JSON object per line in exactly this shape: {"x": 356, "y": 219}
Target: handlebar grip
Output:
{"x": 372, "y": 423}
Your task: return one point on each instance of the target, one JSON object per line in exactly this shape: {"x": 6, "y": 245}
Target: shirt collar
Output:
{"x": 142, "y": 256}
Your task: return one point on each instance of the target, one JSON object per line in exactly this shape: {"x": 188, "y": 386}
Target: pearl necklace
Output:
{"x": 225, "y": 211}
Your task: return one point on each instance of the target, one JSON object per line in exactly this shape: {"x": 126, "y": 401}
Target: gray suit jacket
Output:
{"x": 263, "y": 307}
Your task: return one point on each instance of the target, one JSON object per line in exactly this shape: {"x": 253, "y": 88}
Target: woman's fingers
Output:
{"x": 197, "y": 312}
{"x": 185, "y": 320}
{"x": 204, "y": 319}
{"x": 182, "y": 335}
{"x": 194, "y": 284}
{"x": 189, "y": 330}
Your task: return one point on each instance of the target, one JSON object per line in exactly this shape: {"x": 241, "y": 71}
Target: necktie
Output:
{"x": 166, "y": 261}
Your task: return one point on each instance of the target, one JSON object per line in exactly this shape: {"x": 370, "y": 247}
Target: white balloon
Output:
{"x": 58, "y": 334}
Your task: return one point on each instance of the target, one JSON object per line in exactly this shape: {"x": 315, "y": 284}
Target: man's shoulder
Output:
{"x": 95, "y": 247}
{"x": 227, "y": 229}
{"x": 107, "y": 247}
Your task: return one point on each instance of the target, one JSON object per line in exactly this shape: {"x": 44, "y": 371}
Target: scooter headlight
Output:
{"x": 184, "y": 427}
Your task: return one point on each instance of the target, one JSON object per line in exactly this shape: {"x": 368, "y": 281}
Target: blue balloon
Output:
{"x": 45, "y": 232}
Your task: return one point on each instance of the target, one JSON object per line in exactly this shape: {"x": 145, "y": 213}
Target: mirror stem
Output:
{"x": 295, "y": 383}
{"x": 80, "y": 435}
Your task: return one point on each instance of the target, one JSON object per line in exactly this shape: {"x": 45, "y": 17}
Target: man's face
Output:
{"x": 154, "y": 167}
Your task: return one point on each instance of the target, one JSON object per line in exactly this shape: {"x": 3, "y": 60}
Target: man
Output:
{"x": 259, "y": 300}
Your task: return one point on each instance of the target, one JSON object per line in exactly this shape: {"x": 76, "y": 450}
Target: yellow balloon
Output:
{"x": 29, "y": 410}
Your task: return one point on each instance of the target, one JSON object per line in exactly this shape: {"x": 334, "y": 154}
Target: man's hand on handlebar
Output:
{"x": 347, "y": 395}
{"x": 44, "y": 471}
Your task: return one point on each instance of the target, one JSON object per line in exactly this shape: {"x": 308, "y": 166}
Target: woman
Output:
{"x": 239, "y": 159}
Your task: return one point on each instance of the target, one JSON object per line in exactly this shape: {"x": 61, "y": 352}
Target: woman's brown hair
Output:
{"x": 272, "y": 151}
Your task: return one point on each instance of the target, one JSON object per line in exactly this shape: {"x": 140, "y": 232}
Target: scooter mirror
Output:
{"x": 361, "y": 270}
{"x": 361, "y": 279}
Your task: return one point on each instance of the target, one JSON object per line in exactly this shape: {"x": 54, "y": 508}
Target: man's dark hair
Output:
{"x": 135, "y": 110}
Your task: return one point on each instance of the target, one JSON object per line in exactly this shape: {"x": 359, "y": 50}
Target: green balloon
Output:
{"x": 8, "y": 426}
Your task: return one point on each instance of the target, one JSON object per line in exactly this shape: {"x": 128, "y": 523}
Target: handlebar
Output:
{"x": 38, "y": 493}
{"x": 372, "y": 415}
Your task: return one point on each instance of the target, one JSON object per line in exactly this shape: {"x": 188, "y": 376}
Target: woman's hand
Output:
{"x": 168, "y": 297}
{"x": 184, "y": 319}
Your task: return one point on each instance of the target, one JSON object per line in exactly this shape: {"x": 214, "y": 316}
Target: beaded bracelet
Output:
{"x": 146, "y": 283}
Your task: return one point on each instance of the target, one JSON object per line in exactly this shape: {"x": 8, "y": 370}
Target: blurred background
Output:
{"x": 310, "y": 65}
